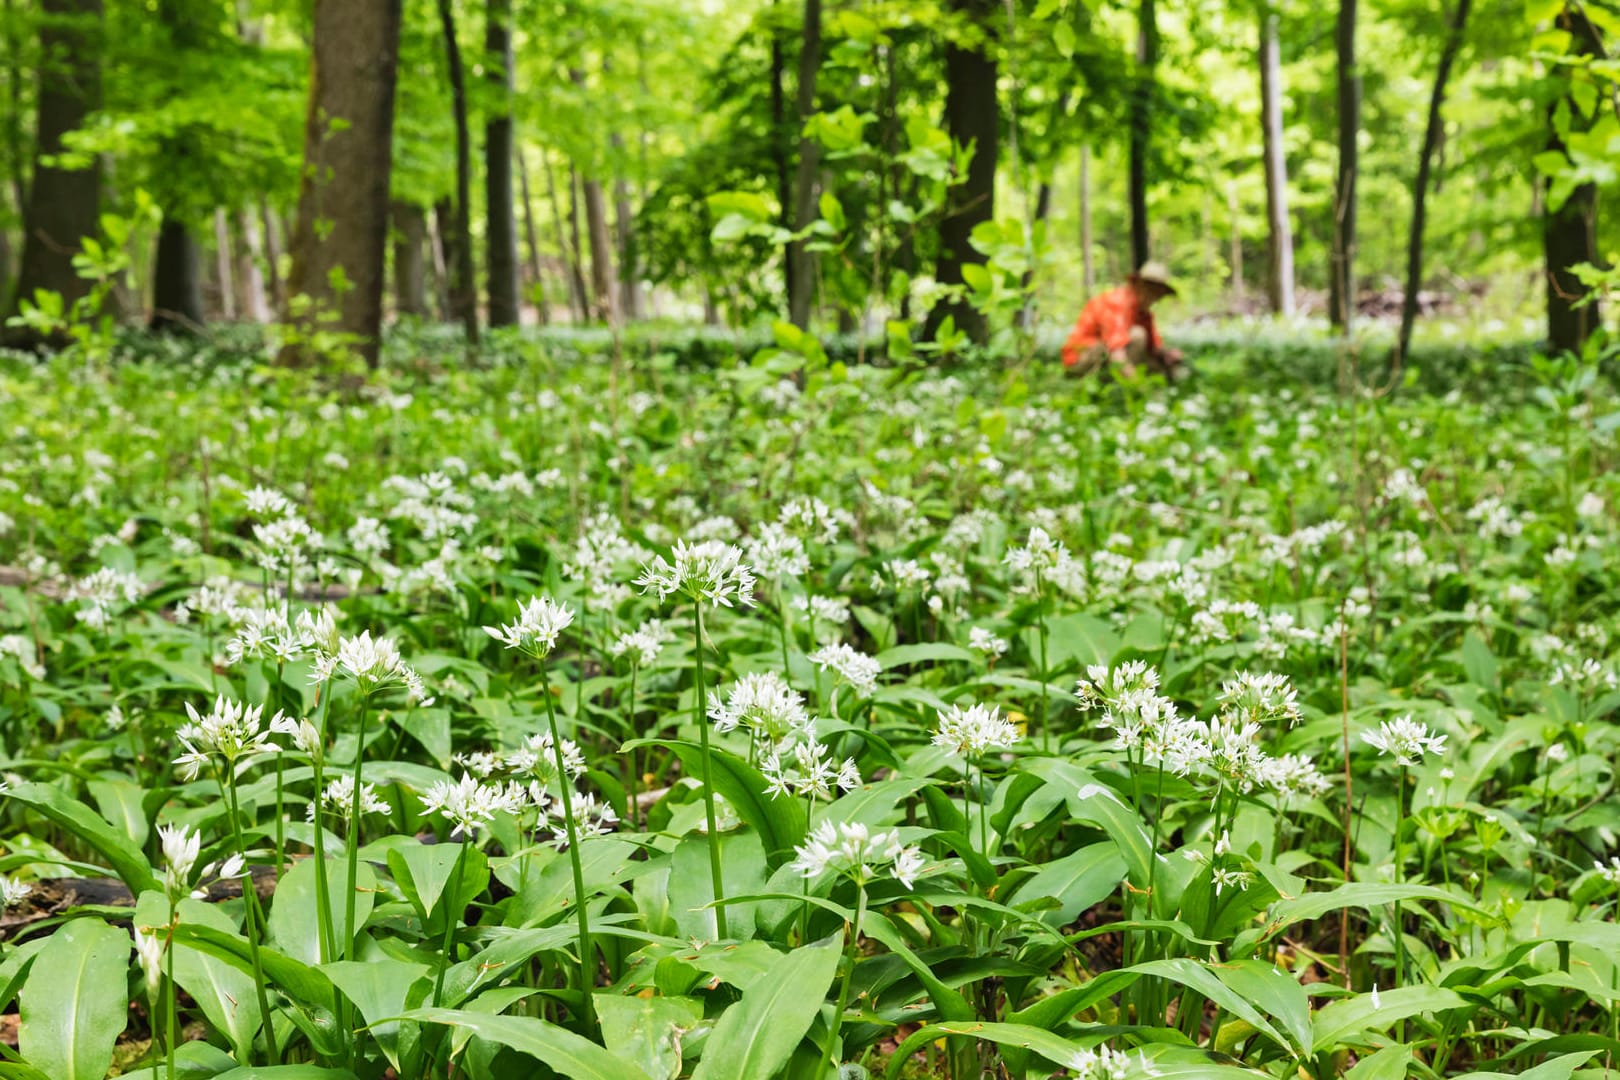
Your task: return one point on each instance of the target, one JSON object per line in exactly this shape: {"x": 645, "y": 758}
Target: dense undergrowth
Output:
{"x": 634, "y": 719}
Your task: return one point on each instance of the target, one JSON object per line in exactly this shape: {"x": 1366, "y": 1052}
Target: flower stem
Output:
{"x": 352, "y": 840}
{"x": 251, "y": 916}
{"x": 851, "y": 951}
{"x": 451, "y": 917}
{"x": 586, "y": 951}
{"x": 702, "y": 718}
{"x": 323, "y": 886}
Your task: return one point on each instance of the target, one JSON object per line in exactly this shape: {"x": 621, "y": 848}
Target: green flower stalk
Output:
{"x": 706, "y": 573}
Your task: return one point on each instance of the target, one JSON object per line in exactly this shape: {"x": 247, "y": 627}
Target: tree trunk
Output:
{"x": 1342, "y": 275}
{"x": 973, "y": 119}
{"x": 1279, "y": 236}
{"x": 781, "y": 139}
{"x": 624, "y": 224}
{"x": 342, "y": 228}
{"x": 536, "y": 278}
{"x": 1143, "y": 93}
{"x": 578, "y": 306}
{"x": 1088, "y": 270}
{"x": 1420, "y": 186}
{"x": 596, "y": 228}
{"x": 177, "y": 304}
{"x": 224, "y": 267}
{"x": 62, "y": 206}
{"x": 1043, "y": 210}
{"x": 1569, "y": 234}
{"x": 410, "y": 260}
{"x": 251, "y": 303}
{"x": 442, "y": 245}
{"x": 272, "y": 258}
{"x": 501, "y": 229}
{"x": 1234, "y": 220}
{"x": 804, "y": 182}
{"x": 463, "y": 276}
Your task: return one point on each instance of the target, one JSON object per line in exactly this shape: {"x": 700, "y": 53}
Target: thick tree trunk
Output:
{"x": 343, "y": 201}
{"x": 1569, "y": 234}
{"x": 1342, "y": 276}
{"x": 442, "y": 244}
{"x": 596, "y": 228}
{"x": 1143, "y": 93}
{"x": 1420, "y": 186}
{"x": 1279, "y": 235}
{"x": 501, "y": 229}
{"x": 463, "y": 276}
{"x": 177, "y": 303}
{"x": 1088, "y": 270}
{"x": 251, "y": 302}
{"x": 972, "y": 116}
{"x": 804, "y": 181}
{"x": 62, "y": 206}
{"x": 410, "y": 260}
{"x": 536, "y": 277}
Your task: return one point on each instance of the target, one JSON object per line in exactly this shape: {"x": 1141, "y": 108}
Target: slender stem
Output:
{"x": 451, "y": 917}
{"x": 1400, "y": 874}
{"x": 323, "y": 885}
{"x": 851, "y": 951}
{"x": 171, "y": 993}
{"x": 634, "y": 803}
{"x": 1040, "y": 622}
{"x": 566, "y": 789}
{"x": 702, "y": 718}
{"x": 250, "y": 918}
{"x": 352, "y": 840}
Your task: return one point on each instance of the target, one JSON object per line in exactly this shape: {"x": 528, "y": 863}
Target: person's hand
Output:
{"x": 1174, "y": 356}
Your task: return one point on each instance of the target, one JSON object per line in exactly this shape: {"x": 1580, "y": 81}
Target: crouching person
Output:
{"x": 1116, "y": 327}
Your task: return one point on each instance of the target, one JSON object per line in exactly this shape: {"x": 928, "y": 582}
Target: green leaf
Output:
{"x": 1339, "y": 1022}
{"x": 225, "y": 994}
{"x": 422, "y": 871}
{"x": 1558, "y": 1068}
{"x": 1078, "y": 881}
{"x": 648, "y": 1031}
{"x": 286, "y": 1072}
{"x": 1192, "y": 973}
{"x": 122, "y": 856}
{"x": 755, "y": 1037}
{"x": 1390, "y": 1063}
{"x": 302, "y": 982}
{"x": 1362, "y": 894}
{"x": 691, "y": 888}
{"x": 1478, "y": 661}
{"x": 568, "y": 1054}
{"x": 779, "y": 822}
{"x": 1275, "y": 994}
{"x": 294, "y": 925}
{"x": 380, "y": 987}
{"x": 74, "y": 1004}
{"x": 1054, "y": 1048}
{"x": 901, "y": 655}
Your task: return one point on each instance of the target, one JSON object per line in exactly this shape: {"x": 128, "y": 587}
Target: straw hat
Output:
{"x": 1156, "y": 273}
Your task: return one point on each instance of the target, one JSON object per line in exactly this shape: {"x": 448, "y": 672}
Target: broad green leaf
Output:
{"x": 1078, "y": 881}
{"x": 1275, "y": 994}
{"x": 380, "y": 987}
{"x": 779, "y": 822}
{"x": 225, "y": 993}
{"x": 422, "y": 871}
{"x": 294, "y": 920}
{"x": 570, "y": 1055}
{"x": 286, "y": 1072}
{"x": 302, "y": 982}
{"x": 755, "y": 1037}
{"x": 1390, "y": 1063}
{"x": 1054, "y": 1048}
{"x": 1362, "y": 894}
{"x": 1199, "y": 977}
{"x": 74, "y": 1003}
{"x": 1339, "y": 1022}
{"x": 691, "y": 888}
{"x": 902, "y": 655}
{"x": 648, "y": 1031}
{"x": 122, "y": 856}
{"x": 1558, "y": 1068}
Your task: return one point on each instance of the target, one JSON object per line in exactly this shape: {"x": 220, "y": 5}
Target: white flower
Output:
{"x": 149, "y": 950}
{"x": 266, "y": 502}
{"x": 1225, "y": 878}
{"x": 592, "y": 817}
{"x": 643, "y": 644}
{"x": 1406, "y": 739}
{"x": 1611, "y": 872}
{"x": 985, "y": 641}
{"x": 304, "y": 737}
{"x": 372, "y": 663}
{"x": 762, "y": 702}
{"x": 709, "y": 572}
{"x": 776, "y": 553}
{"x": 1104, "y": 686}
{"x": 536, "y": 759}
{"x": 12, "y": 891}
{"x": 1039, "y": 556}
{"x": 853, "y": 850}
{"x": 339, "y": 799}
{"x": 974, "y": 731}
{"x": 469, "y": 804}
{"x": 231, "y": 730}
{"x": 1101, "y": 1063}
{"x": 538, "y": 624}
{"x": 854, "y": 667}
{"x": 807, "y": 768}
{"x": 1262, "y": 698}
{"x": 180, "y": 849}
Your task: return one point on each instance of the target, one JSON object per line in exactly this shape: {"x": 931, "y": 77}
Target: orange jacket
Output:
{"x": 1107, "y": 320}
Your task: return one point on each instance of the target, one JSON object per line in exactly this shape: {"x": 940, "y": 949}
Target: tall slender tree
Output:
{"x": 410, "y": 259}
{"x": 340, "y": 241}
{"x": 1279, "y": 234}
{"x": 500, "y": 231}
{"x": 177, "y": 301}
{"x": 463, "y": 276}
{"x": 1144, "y": 92}
{"x": 62, "y": 205}
{"x": 1569, "y": 230}
{"x": 1342, "y": 273}
{"x": 1432, "y": 133}
{"x": 802, "y": 268}
{"x": 973, "y": 117}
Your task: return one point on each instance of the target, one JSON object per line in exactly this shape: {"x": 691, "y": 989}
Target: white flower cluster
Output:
{"x": 372, "y": 663}
{"x": 103, "y": 594}
{"x": 855, "y": 851}
{"x": 537, "y": 627}
{"x": 21, "y": 649}
{"x": 338, "y": 798}
{"x": 763, "y": 703}
{"x": 849, "y": 664}
{"x": 1405, "y": 739}
{"x": 974, "y": 731}
{"x": 231, "y": 731}
{"x": 710, "y": 572}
